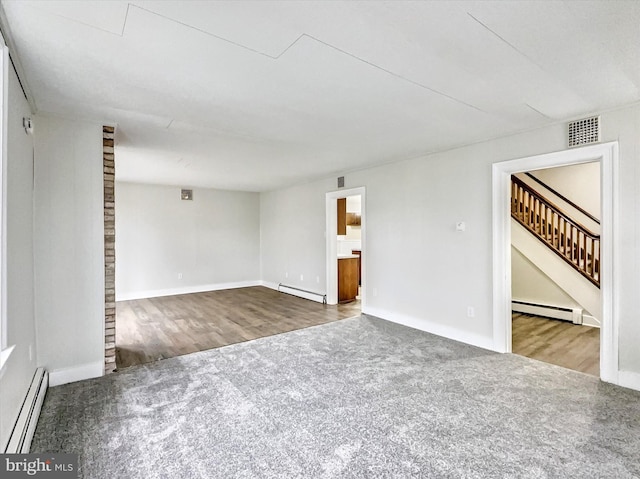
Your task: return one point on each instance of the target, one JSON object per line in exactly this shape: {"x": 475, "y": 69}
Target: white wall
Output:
{"x": 530, "y": 285}
{"x": 354, "y": 204}
{"x": 19, "y": 369}
{"x": 353, "y": 232}
{"x": 213, "y": 241}
{"x": 423, "y": 271}
{"x": 292, "y": 236}
{"x": 579, "y": 183}
{"x": 69, "y": 247}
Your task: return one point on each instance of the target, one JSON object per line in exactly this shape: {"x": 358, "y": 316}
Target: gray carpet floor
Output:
{"x": 358, "y": 398}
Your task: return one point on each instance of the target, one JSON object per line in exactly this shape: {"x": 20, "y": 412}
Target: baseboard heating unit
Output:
{"x": 548, "y": 311}
{"x": 303, "y": 293}
{"x": 25, "y": 426}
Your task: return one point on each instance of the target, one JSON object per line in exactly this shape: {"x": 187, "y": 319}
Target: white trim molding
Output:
{"x": 431, "y": 327}
{"x": 589, "y": 320}
{"x": 629, "y": 379}
{"x": 4, "y": 357}
{"x": 5, "y": 348}
{"x": 76, "y": 373}
{"x": 607, "y": 155}
{"x": 201, "y": 288}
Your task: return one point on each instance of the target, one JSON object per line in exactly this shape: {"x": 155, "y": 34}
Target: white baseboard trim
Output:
{"x": 433, "y": 328}
{"x": 22, "y": 434}
{"x": 629, "y": 379}
{"x": 588, "y": 320}
{"x": 201, "y": 288}
{"x": 269, "y": 284}
{"x": 293, "y": 292}
{"x": 76, "y": 373}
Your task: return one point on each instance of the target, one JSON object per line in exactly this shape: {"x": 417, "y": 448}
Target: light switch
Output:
{"x": 461, "y": 226}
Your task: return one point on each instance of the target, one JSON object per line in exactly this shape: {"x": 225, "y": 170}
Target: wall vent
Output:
{"x": 186, "y": 194}
{"x": 584, "y": 132}
{"x": 341, "y": 182}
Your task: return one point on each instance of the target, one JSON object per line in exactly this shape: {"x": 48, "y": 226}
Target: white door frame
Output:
{"x": 607, "y": 154}
{"x": 332, "y": 243}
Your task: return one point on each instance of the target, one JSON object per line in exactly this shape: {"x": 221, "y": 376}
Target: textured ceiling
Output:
{"x": 259, "y": 95}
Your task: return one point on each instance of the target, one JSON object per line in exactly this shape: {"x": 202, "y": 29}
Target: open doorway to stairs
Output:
{"x": 555, "y": 265}
{"x": 606, "y": 154}
{"x": 346, "y": 246}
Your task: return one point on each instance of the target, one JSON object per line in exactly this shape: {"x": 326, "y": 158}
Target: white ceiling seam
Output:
{"x": 211, "y": 34}
{"x": 119, "y": 33}
{"x": 322, "y": 42}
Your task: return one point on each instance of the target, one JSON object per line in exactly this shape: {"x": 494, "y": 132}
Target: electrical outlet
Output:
{"x": 471, "y": 312}
{"x": 301, "y": 278}
{"x": 286, "y": 275}
{"x": 318, "y": 279}
{"x": 179, "y": 275}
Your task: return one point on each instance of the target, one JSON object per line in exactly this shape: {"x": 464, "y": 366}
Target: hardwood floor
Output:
{"x": 165, "y": 327}
{"x": 557, "y": 342}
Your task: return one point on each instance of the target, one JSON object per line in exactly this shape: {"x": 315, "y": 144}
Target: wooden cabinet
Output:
{"x": 358, "y": 253}
{"x": 353, "y": 219}
{"x": 347, "y": 279}
{"x": 342, "y": 216}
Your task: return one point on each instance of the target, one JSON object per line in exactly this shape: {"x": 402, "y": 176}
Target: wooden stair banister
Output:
{"x": 570, "y": 240}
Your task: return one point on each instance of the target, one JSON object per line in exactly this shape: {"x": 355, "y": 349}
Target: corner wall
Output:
{"x": 530, "y": 284}
{"x": 69, "y": 248}
{"x": 166, "y": 245}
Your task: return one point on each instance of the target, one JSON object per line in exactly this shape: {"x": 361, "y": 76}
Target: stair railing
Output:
{"x": 570, "y": 240}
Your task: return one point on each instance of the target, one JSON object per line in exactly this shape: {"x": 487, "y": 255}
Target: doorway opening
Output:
{"x": 555, "y": 265}
{"x": 346, "y": 246}
{"x": 607, "y": 156}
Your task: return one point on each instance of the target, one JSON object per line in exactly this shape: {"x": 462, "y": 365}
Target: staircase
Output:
{"x": 566, "y": 237}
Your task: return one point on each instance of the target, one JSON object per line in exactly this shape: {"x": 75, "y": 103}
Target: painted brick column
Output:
{"x": 108, "y": 162}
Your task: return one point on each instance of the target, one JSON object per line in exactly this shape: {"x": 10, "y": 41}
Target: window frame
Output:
{"x": 5, "y": 348}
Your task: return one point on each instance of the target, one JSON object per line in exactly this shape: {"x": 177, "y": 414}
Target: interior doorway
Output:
{"x": 555, "y": 262}
{"x": 346, "y": 251}
{"x": 607, "y": 155}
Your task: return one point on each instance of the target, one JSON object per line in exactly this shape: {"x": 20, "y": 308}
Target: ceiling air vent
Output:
{"x": 584, "y": 132}
{"x": 186, "y": 195}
